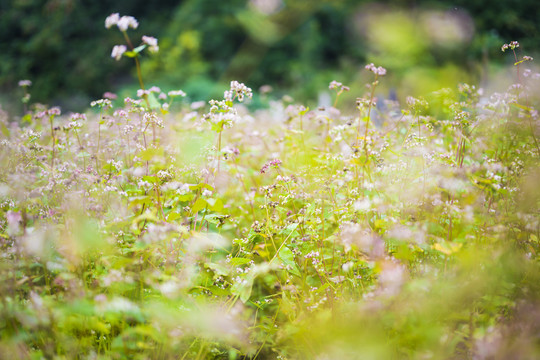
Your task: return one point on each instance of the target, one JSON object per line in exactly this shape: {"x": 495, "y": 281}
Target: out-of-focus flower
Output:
{"x": 126, "y": 22}
{"x": 25, "y": 83}
{"x": 174, "y": 93}
{"x": 110, "y": 95}
{"x": 379, "y": 71}
{"x": 272, "y": 163}
{"x": 391, "y": 278}
{"x": 511, "y": 46}
{"x": 77, "y": 116}
{"x": 151, "y": 118}
{"x": 238, "y": 90}
{"x": 54, "y": 111}
{"x": 112, "y": 20}
{"x": 118, "y": 51}
{"x": 337, "y": 86}
{"x": 152, "y": 43}
{"x": 13, "y": 218}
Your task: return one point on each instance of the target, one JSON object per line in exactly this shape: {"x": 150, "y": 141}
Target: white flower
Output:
{"x": 380, "y": 71}
{"x": 238, "y": 91}
{"x": 126, "y": 22}
{"x": 24, "y": 83}
{"x": 112, "y": 20}
{"x": 174, "y": 93}
{"x": 118, "y": 51}
{"x": 152, "y": 42}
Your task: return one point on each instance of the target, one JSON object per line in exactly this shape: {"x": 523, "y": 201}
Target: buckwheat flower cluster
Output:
{"x": 511, "y": 46}
{"x": 77, "y": 116}
{"x": 275, "y": 163}
{"x": 115, "y": 165}
{"x": 151, "y": 118}
{"x": 221, "y": 113}
{"x": 152, "y": 43}
{"x": 102, "y": 103}
{"x": 415, "y": 104}
{"x": 175, "y": 93}
{"x": 237, "y": 91}
{"x": 123, "y": 22}
{"x": 76, "y": 119}
{"x": 121, "y": 113}
{"x": 164, "y": 175}
{"x": 54, "y": 111}
{"x": 142, "y": 92}
{"x": 338, "y": 86}
{"x": 379, "y": 71}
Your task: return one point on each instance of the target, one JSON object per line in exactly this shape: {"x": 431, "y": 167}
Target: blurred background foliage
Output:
{"x": 296, "y": 46}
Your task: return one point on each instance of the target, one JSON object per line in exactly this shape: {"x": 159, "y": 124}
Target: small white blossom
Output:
{"x": 174, "y": 93}
{"x": 379, "y": 71}
{"x": 112, "y": 20}
{"x": 118, "y": 51}
{"x": 152, "y": 43}
{"x": 25, "y": 83}
{"x": 126, "y": 22}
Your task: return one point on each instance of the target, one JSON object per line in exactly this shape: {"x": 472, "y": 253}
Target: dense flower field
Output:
{"x": 153, "y": 229}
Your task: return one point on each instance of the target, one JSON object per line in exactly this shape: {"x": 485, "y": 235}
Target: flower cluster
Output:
{"x": 123, "y": 22}
{"x": 272, "y": 163}
{"x": 175, "y": 93}
{"x": 379, "y": 71}
{"x": 511, "y": 46}
{"x": 102, "y": 103}
{"x": 152, "y": 119}
{"x": 118, "y": 51}
{"x": 152, "y": 43}
{"x": 238, "y": 91}
{"x": 338, "y": 86}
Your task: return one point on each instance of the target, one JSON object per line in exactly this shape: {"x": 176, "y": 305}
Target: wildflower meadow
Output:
{"x": 154, "y": 227}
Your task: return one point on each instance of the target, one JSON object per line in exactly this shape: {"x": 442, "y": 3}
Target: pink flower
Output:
{"x": 54, "y": 111}
{"x": 272, "y": 163}
{"x": 379, "y": 71}
{"x": 110, "y": 95}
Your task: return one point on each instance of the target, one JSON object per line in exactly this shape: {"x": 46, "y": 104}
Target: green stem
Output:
{"x": 53, "y": 142}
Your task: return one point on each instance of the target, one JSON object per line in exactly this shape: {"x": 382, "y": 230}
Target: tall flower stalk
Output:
{"x": 124, "y": 23}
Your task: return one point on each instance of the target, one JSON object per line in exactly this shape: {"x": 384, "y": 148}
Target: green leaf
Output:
{"x": 215, "y": 204}
{"x": 139, "y": 200}
{"x": 242, "y": 289}
{"x": 153, "y": 101}
{"x": 199, "y": 205}
{"x": 218, "y": 269}
{"x": 138, "y": 49}
{"x": 135, "y": 52}
{"x": 201, "y": 186}
{"x": 239, "y": 261}
{"x": 287, "y": 257}
{"x": 149, "y": 153}
{"x": 173, "y": 215}
{"x": 5, "y": 130}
